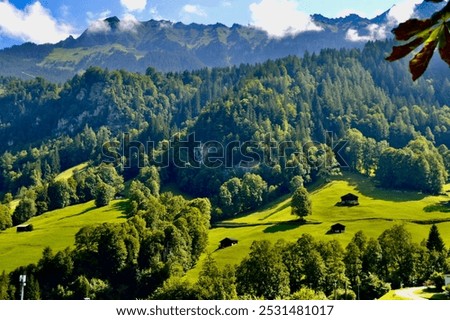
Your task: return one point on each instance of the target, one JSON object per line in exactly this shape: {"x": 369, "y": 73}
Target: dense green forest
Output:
{"x": 134, "y": 120}
{"x": 232, "y": 138}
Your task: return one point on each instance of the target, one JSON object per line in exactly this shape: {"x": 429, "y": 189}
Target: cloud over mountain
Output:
{"x": 281, "y": 17}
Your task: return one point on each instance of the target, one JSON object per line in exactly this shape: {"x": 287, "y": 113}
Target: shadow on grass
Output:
{"x": 440, "y": 296}
{"x": 443, "y": 206}
{"x": 121, "y": 207}
{"x": 287, "y": 226}
{"x": 436, "y": 294}
{"x": 79, "y": 214}
{"x": 368, "y": 187}
{"x": 331, "y": 232}
{"x": 275, "y": 210}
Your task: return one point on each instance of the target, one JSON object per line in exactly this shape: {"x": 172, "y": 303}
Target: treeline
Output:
{"x": 314, "y": 270}
{"x": 147, "y": 257}
{"x": 417, "y": 166}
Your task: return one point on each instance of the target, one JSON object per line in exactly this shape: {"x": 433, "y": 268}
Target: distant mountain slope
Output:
{"x": 168, "y": 46}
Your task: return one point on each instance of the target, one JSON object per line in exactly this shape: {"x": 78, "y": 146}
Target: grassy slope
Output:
{"x": 54, "y": 229}
{"x": 378, "y": 210}
{"x": 69, "y": 172}
{"x": 391, "y": 295}
{"x": 59, "y": 55}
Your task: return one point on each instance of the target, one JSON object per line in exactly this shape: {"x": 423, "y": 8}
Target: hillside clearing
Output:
{"x": 53, "y": 229}
{"x": 379, "y": 210}
{"x": 70, "y": 172}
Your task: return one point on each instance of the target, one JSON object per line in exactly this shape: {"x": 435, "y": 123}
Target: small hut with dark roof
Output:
{"x": 337, "y": 228}
{"x": 24, "y": 228}
{"x": 349, "y": 200}
{"x": 227, "y": 242}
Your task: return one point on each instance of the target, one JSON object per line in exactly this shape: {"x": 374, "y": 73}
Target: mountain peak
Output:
{"x": 113, "y": 22}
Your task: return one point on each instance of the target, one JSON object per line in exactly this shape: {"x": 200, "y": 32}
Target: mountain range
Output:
{"x": 167, "y": 46}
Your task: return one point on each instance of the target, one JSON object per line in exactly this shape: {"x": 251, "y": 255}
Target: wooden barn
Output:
{"x": 337, "y": 228}
{"x": 227, "y": 242}
{"x": 349, "y": 200}
{"x": 25, "y": 228}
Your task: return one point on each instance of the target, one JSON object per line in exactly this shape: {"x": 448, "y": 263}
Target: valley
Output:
{"x": 164, "y": 160}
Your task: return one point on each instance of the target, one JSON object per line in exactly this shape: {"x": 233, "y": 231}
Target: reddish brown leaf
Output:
{"x": 444, "y": 45}
{"x": 399, "y": 52}
{"x": 410, "y": 28}
{"x": 420, "y": 62}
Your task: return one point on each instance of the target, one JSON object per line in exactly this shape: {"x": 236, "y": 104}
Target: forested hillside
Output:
{"x": 48, "y": 128}
{"x": 237, "y": 136}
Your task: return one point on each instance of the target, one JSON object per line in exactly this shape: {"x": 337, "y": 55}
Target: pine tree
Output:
{"x": 434, "y": 242}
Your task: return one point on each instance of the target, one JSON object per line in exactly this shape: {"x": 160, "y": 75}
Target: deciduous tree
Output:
{"x": 301, "y": 203}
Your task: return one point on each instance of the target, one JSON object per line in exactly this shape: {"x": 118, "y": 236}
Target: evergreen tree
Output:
{"x": 435, "y": 242}
{"x": 32, "y": 291}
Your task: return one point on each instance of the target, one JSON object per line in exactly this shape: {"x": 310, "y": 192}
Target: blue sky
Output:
{"x": 53, "y": 20}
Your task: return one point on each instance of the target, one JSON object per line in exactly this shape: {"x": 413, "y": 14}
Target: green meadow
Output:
{"x": 64, "y": 56}
{"x": 379, "y": 210}
{"x": 70, "y": 172}
{"x": 54, "y": 229}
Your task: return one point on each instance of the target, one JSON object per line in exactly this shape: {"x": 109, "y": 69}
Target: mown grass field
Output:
{"x": 70, "y": 172}
{"x": 379, "y": 210}
{"x": 54, "y": 229}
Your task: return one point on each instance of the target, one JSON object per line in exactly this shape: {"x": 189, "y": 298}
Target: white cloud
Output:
{"x": 99, "y": 26}
{"x": 402, "y": 11}
{"x": 155, "y": 13}
{"x": 281, "y": 17}
{"x": 373, "y": 32}
{"x": 134, "y": 5}
{"x": 96, "y": 21}
{"x": 193, "y": 9}
{"x": 92, "y": 17}
{"x": 34, "y": 23}
{"x": 64, "y": 10}
{"x": 128, "y": 23}
{"x": 347, "y": 12}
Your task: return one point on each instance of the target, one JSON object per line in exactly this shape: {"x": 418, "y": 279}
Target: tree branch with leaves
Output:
{"x": 432, "y": 33}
